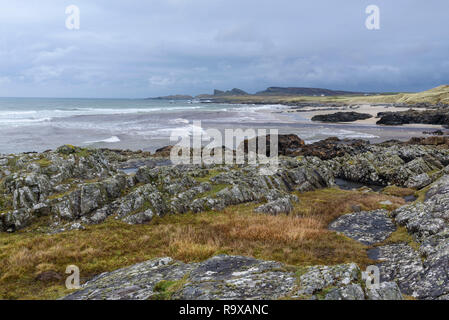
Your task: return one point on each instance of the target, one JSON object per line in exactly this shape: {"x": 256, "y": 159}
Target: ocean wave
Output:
{"x": 188, "y": 130}
{"x": 19, "y": 121}
{"x": 260, "y": 107}
{"x": 12, "y": 113}
{"x": 8, "y": 116}
{"x": 108, "y": 140}
{"x": 322, "y": 133}
{"x": 179, "y": 121}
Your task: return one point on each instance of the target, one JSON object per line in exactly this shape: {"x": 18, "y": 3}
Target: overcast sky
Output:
{"x": 158, "y": 47}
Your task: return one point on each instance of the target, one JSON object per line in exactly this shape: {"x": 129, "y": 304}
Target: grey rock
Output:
{"x": 367, "y": 227}
{"x": 140, "y": 217}
{"x": 16, "y": 220}
{"x": 350, "y": 292}
{"x": 400, "y": 263}
{"x": 386, "y": 291}
{"x": 419, "y": 181}
{"x": 228, "y": 277}
{"x": 283, "y": 205}
{"x": 131, "y": 283}
{"x": 76, "y": 226}
{"x": 221, "y": 277}
{"x": 317, "y": 278}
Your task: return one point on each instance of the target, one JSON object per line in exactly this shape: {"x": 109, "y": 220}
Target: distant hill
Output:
{"x": 173, "y": 97}
{"x": 298, "y": 91}
{"x": 292, "y": 95}
{"x": 233, "y": 92}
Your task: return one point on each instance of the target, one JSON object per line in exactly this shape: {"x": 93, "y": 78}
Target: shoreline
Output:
{"x": 117, "y": 131}
{"x": 288, "y": 123}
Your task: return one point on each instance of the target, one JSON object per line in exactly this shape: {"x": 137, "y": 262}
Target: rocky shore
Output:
{"x": 436, "y": 115}
{"x": 71, "y": 188}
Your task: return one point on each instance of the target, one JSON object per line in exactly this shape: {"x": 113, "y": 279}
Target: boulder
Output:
{"x": 282, "y": 205}
{"x": 386, "y": 291}
{"x": 418, "y": 182}
{"x": 350, "y": 292}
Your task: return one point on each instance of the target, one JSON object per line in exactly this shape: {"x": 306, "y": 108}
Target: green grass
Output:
{"x": 12, "y": 164}
{"x": 43, "y": 163}
{"x": 83, "y": 153}
{"x": 211, "y": 193}
{"x": 421, "y": 194}
{"x": 400, "y": 236}
{"x": 211, "y": 173}
{"x": 165, "y": 289}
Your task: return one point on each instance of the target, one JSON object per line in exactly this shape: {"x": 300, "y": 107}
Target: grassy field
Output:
{"x": 299, "y": 239}
{"x": 436, "y": 95}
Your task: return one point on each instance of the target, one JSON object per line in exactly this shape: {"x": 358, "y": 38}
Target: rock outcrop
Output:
{"x": 229, "y": 278}
{"x": 433, "y": 116}
{"x": 331, "y": 148}
{"x": 288, "y": 144}
{"x": 422, "y": 273}
{"x": 428, "y": 223}
{"x": 399, "y": 164}
{"x": 74, "y": 185}
{"x": 341, "y": 117}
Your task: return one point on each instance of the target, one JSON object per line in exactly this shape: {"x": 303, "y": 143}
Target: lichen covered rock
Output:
{"x": 367, "y": 227}
{"x": 228, "y": 277}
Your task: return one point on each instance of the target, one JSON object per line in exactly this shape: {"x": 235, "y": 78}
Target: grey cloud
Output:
{"x": 145, "y": 48}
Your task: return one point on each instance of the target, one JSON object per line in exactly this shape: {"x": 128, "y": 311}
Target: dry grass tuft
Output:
{"x": 400, "y": 236}
{"x": 328, "y": 204}
{"x": 398, "y": 191}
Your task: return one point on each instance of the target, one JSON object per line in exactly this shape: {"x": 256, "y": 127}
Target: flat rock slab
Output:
{"x": 220, "y": 277}
{"x": 368, "y": 227}
{"x": 399, "y": 262}
{"x": 132, "y": 283}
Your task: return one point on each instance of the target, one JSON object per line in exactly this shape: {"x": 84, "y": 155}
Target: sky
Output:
{"x": 137, "y": 49}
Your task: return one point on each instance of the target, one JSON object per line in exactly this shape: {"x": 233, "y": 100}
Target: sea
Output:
{"x": 38, "y": 124}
